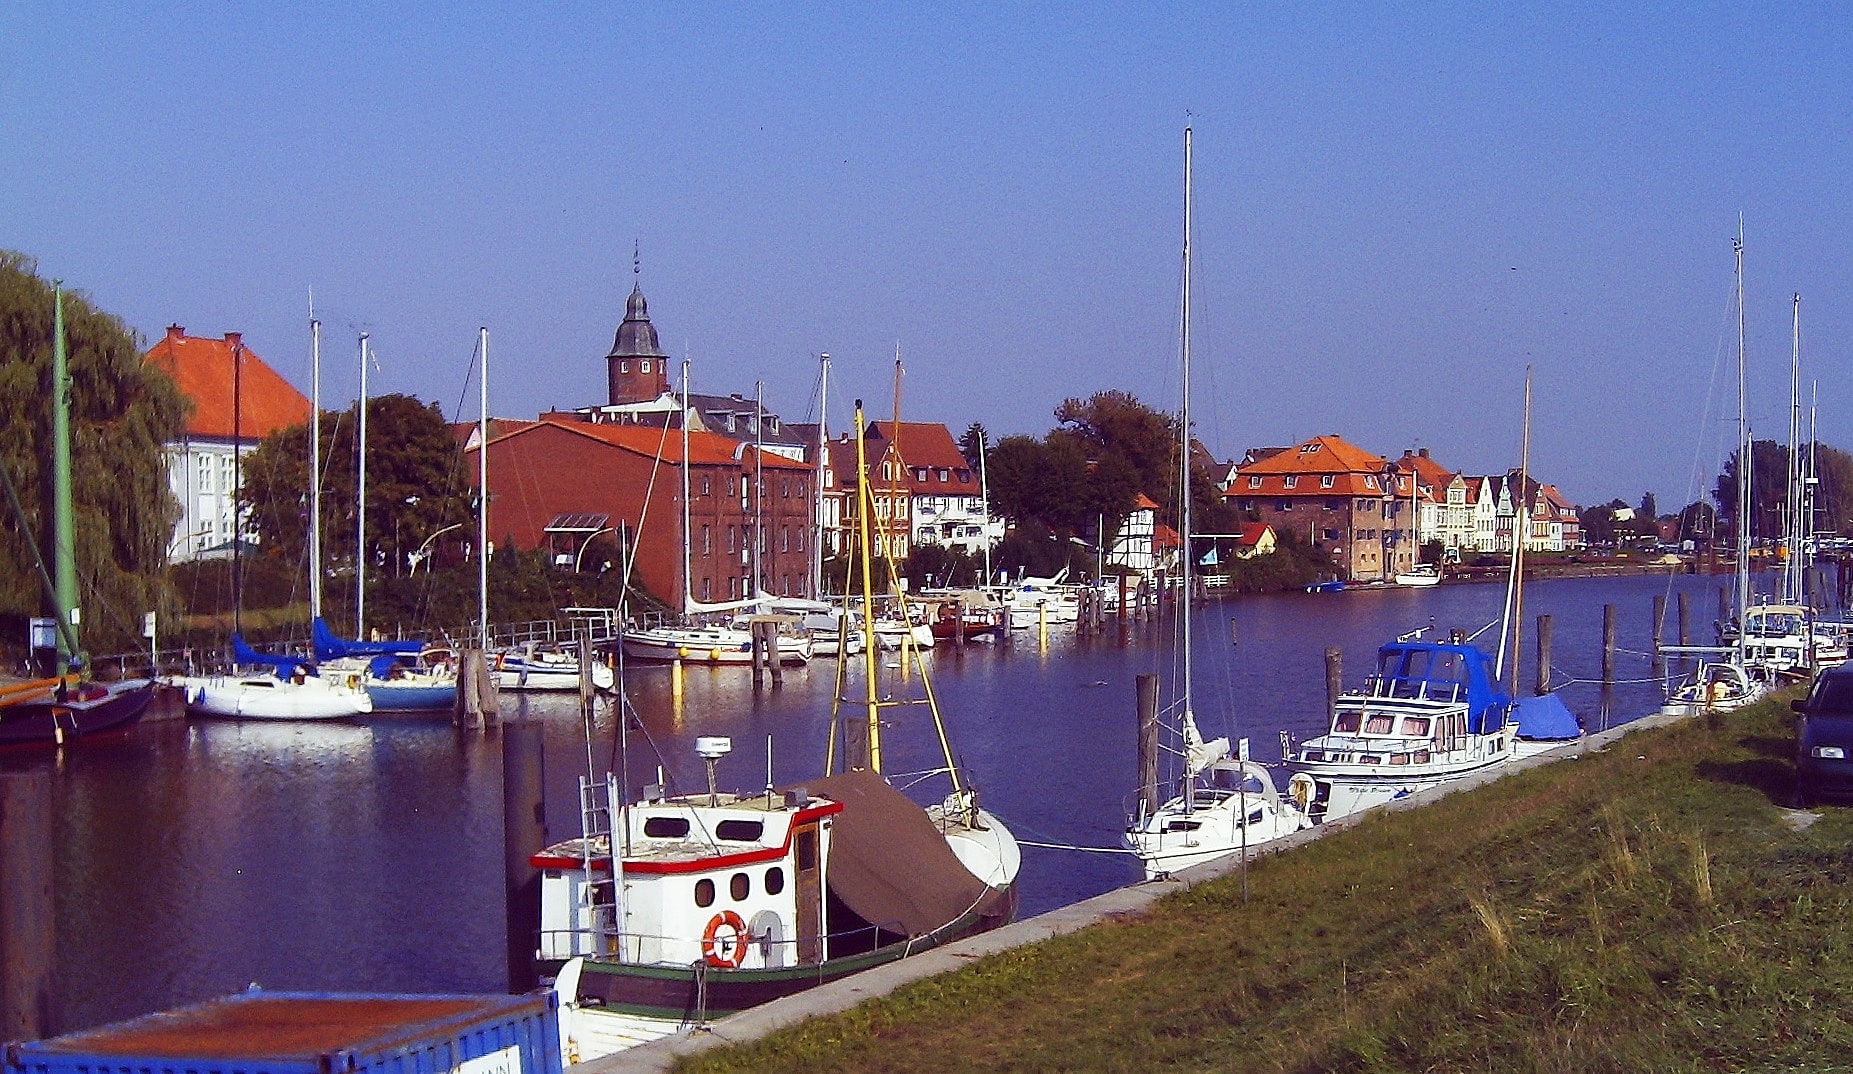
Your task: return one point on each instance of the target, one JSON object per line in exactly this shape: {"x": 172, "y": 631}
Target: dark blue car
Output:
{"x": 1824, "y": 739}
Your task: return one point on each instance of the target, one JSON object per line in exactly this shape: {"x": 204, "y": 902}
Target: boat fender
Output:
{"x": 712, "y": 945}
{"x": 1301, "y": 787}
{"x": 714, "y": 654}
{"x": 353, "y": 682}
{"x": 682, "y": 651}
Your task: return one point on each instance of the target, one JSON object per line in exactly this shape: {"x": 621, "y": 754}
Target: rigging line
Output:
{"x": 1072, "y": 846}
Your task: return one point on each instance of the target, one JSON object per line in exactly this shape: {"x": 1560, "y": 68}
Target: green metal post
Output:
{"x": 64, "y": 540}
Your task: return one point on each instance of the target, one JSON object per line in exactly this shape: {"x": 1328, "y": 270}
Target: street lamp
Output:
{"x": 417, "y": 557}
{"x": 590, "y": 537}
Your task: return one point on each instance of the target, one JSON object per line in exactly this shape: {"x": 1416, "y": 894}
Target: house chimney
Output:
{"x": 175, "y": 332}
{"x": 1423, "y": 452}
{"x": 236, "y": 339}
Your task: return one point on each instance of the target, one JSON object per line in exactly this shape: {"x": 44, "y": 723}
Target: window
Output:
{"x": 707, "y": 589}
{"x": 1347, "y": 723}
{"x": 644, "y": 366}
{"x": 704, "y": 892}
{"x": 665, "y": 827}
{"x": 733, "y": 588}
{"x": 1292, "y": 480}
{"x": 775, "y": 880}
{"x": 807, "y": 849}
{"x": 203, "y": 468}
{"x": 1370, "y": 481}
{"x": 732, "y": 536}
{"x": 624, "y": 367}
{"x": 739, "y": 886}
{"x": 707, "y": 541}
{"x": 704, "y": 484}
{"x": 1254, "y": 481}
{"x": 740, "y": 831}
{"x": 784, "y": 538}
{"x": 942, "y": 475}
{"x": 1283, "y": 505}
{"x": 1379, "y": 725}
{"x": 1326, "y": 481}
{"x": 785, "y": 487}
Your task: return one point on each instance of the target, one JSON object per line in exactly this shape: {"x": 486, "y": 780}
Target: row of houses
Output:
{"x": 1373, "y": 514}
{"x": 767, "y": 499}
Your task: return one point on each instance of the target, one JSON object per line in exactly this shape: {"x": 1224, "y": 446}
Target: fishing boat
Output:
{"x": 675, "y": 909}
{"x": 1224, "y": 805}
{"x": 59, "y": 709}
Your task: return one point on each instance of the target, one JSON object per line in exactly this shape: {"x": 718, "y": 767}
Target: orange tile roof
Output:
{"x": 657, "y": 442}
{"x": 203, "y": 369}
{"x": 929, "y": 445}
{"x": 1322, "y": 466}
{"x": 1144, "y": 503}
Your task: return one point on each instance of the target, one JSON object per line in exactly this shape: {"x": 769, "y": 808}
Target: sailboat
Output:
{"x": 1726, "y": 678}
{"x": 1225, "y": 805}
{"x": 398, "y": 676}
{"x": 268, "y": 686}
{"x": 67, "y": 706}
{"x": 678, "y": 908}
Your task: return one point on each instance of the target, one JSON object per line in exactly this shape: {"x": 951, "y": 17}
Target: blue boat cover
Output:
{"x": 1436, "y": 669}
{"x": 287, "y": 666}
{"x": 1546, "y": 717}
{"x": 329, "y": 646}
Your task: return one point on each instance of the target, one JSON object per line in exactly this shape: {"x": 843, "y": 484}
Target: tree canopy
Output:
{"x": 123, "y": 411}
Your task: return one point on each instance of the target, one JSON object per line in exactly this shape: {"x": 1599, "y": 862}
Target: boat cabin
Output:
{"x": 1425, "y": 698}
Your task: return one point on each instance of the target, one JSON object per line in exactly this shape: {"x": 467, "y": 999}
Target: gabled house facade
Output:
{"x": 236, "y": 400}
{"x": 1331, "y": 494}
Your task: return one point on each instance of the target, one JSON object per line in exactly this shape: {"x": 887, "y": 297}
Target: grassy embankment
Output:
{"x": 1647, "y": 907}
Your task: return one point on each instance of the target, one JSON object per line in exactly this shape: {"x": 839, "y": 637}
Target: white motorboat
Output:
{"x": 537, "y": 667}
{"x": 707, "y": 645}
{"x": 1421, "y": 575}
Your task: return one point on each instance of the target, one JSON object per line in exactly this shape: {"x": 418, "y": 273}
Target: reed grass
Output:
{"x": 1641, "y": 908}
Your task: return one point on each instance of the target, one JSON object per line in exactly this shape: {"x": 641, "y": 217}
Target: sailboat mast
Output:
{"x": 315, "y": 464}
{"x": 823, "y": 462}
{"x": 1792, "y": 507}
{"x": 984, "y": 494}
{"x": 871, "y": 652}
{"x": 1743, "y": 446}
{"x": 1184, "y": 596}
{"x": 237, "y": 480}
{"x": 482, "y": 487}
{"x": 1521, "y": 525}
{"x": 688, "y": 579}
{"x": 64, "y": 530}
{"x": 759, "y": 483}
{"x": 360, "y": 510}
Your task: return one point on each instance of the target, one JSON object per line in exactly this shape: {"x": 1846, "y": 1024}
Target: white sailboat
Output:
{"x": 263, "y": 686}
{"x": 1225, "y": 805}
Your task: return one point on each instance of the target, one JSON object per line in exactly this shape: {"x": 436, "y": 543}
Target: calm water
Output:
{"x": 194, "y": 859}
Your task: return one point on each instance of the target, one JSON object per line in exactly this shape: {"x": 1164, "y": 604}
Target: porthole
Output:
{"x": 775, "y": 880}
{"x": 740, "y": 887}
{"x": 704, "y": 892}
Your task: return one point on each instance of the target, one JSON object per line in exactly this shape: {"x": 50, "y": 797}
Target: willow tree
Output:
{"x": 123, "y": 412}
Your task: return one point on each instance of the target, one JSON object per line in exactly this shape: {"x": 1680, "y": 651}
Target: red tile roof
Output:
{"x": 203, "y": 370}
{"x": 657, "y": 442}
{"x": 928, "y": 446}
{"x": 1322, "y": 466}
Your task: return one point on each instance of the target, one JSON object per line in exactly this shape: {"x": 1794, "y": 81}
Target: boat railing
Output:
{"x": 628, "y": 946}
{"x": 1402, "y": 688}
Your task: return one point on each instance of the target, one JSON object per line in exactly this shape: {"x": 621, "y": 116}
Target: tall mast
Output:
{"x": 482, "y": 487}
{"x": 1792, "y": 506}
{"x": 823, "y": 464}
{"x": 688, "y": 579}
{"x": 64, "y": 531}
{"x": 871, "y": 652}
{"x": 1743, "y": 445}
{"x": 984, "y": 494}
{"x": 315, "y": 463}
{"x": 360, "y": 511}
{"x": 1521, "y": 524}
{"x": 237, "y": 480}
{"x": 759, "y": 482}
{"x": 1183, "y": 513}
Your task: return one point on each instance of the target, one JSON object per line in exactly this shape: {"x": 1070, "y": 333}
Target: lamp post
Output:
{"x": 590, "y": 537}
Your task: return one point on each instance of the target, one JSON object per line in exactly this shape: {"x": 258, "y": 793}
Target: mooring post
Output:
{"x": 1235, "y": 634}
{"x": 476, "y": 704}
{"x": 524, "y": 832}
{"x": 1334, "y": 680}
{"x": 1659, "y": 632}
{"x": 759, "y": 655}
{"x": 1544, "y": 654}
{"x": 1679, "y": 604}
{"x": 1146, "y": 688}
{"x": 1724, "y": 604}
{"x": 28, "y": 923}
{"x": 772, "y": 655}
{"x": 1608, "y": 644}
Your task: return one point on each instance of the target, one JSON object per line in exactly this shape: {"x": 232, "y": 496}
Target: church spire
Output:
{"x": 637, "y": 370}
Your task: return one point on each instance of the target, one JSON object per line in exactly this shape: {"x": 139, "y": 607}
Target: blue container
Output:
{"x": 260, "y": 1032}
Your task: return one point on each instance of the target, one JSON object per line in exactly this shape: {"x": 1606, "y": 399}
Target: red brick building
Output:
{"x": 1331, "y": 494}
{"x": 557, "y": 482}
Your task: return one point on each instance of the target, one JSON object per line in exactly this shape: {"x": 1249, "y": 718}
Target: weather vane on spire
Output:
{"x": 637, "y": 257}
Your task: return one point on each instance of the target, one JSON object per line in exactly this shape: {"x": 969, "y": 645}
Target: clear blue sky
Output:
{"x": 1396, "y": 212}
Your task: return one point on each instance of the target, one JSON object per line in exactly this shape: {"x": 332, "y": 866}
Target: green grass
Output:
{"x": 1642, "y": 908}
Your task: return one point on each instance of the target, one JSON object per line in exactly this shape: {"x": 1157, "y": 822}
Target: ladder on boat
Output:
{"x": 601, "y": 895}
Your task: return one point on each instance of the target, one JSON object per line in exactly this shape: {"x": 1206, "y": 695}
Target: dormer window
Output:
{"x": 1326, "y": 481}
{"x": 1292, "y": 480}
{"x": 1254, "y": 481}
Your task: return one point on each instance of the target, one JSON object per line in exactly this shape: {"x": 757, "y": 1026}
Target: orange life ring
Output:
{"x": 711, "y": 945}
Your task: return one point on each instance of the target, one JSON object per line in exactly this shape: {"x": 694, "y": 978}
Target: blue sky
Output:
{"x": 1397, "y": 209}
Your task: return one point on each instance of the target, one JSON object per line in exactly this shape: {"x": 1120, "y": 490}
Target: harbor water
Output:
{"x": 195, "y": 858}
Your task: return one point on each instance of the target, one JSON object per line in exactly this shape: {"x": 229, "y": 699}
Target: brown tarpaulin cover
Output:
{"x": 889, "y": 863}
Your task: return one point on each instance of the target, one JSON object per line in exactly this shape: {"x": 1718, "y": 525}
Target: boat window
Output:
{"x": 1415, "y": 725}
{"x": 1347, "y": 721}
{"x": 665, "y": 827}
{"x": 775, "y": 880}
{"x": 740, "y": 886}
{"x": 740, "y": 831}
{"x": 1399, "y": 758}
{"x": 1379, "y": 725}
{"x": 1421, "y": 757}
{"x": 807, "y": 850}
{"x": 704, "y": 892}
{"x": 1370, "y": 758}
{"x": 1182, "y": 826}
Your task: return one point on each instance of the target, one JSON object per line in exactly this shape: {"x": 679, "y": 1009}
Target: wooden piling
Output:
{"x": 1334, "y": 680}
{"x": 1608, "y": 644}
{"x": 476, "y": 704}
{"x": 28, "y": 921}
{"x": 1659, "y": 632}
{"x": 1679, "y": 603}
{"x": 524, "y": 831}
{"x": 1545, "y": 632}
{"x": 1235, "y": 634}
{"x": 759, "y": 654}
{"x": 1146, "y": 693}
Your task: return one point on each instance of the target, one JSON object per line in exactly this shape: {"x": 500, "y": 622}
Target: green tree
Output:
{"x": 122, "y": 413}
{"x": 1116, "y": 423}
{"x": 1769, "y": 479}
{"x": 975, "y": 442}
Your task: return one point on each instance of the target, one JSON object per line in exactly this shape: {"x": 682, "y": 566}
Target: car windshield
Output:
{"x": 1833, "y": 696}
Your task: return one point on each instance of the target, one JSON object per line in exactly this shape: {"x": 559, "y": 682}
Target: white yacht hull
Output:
{"x": 263, "y": 696}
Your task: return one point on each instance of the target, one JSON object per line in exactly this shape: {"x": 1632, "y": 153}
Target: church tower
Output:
{"x": 637, "y": 368}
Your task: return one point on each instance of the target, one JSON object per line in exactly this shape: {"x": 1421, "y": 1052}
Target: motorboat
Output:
{"x": 1419, "y": 576}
